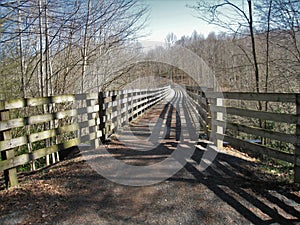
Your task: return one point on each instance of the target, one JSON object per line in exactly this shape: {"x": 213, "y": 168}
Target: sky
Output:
{"x": 168, "y": 16}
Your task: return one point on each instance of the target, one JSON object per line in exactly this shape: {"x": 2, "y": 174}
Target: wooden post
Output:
{"x": 212, "y": 125}
{"x": 139, "y": 100}
{"x": 133, "y": 95}
{"x": 96, "y": 117}
{"x": 126, "y": 96}
{"x": 297, "y": 145}
{"x": 209, "y": 103}
{"x": 102, "y": 115}
{"x": 92, "y": 129}
{"x": 129, "y": 105}
{"x": 119, "y": 106}
{"x": 149, "y": 95}
{"x": 10, "y": 175}
{"x": 219, "y": 129}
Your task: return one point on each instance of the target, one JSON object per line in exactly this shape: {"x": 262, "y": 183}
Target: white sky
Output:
{"x": 168, "y": 16}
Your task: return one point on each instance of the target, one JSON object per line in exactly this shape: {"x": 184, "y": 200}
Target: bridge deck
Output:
{"x": 228, "y": 192}
{"x": 157, "y": 134}
{"x": 152, "y": 148}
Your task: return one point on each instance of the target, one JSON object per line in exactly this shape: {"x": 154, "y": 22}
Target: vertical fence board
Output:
{"x": 297, "y": 145}
{"x": 102, "y": 113}
{"x": 10, "y": 175}
{"x": 219, "y": 129}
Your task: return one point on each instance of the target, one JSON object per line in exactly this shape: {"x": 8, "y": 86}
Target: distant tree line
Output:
{"x": 58, "y": 46}
{"x": 259, "y": 50}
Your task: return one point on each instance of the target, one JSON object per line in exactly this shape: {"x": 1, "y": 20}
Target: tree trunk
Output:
{"x": 253, "y": 47}
{"x": 268, "y": 48}
{"x": 41, "y": 48}
{"x": 23, "y": 75}
{"x": 85, "y": 46}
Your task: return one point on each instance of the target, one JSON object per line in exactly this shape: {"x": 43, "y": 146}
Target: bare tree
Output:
{"x": 280, "y": 22}
{"x": 58, "y": 40}
{"x": 238, "y": 21}
{"x": 170, "y": 39}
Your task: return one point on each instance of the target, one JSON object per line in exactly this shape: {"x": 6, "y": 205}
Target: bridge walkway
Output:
{"x": 77, "y": 191}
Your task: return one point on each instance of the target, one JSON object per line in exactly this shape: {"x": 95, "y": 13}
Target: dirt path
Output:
{"x": 231, "y": 191}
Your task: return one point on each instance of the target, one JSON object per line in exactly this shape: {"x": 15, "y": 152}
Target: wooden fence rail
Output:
{"x": 274, "y": 132}
{"x": 34, "y": 130}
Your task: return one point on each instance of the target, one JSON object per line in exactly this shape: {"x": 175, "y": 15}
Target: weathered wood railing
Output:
{"x": 274, "y": 133}
{"x": 34, "y": 130}
{"x": 200, "y": 102}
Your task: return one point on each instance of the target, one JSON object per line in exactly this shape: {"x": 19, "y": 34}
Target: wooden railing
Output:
{"x": 235, "y": 119}
{"x": 201, "y": 105}
{"x": 34, "y": 130}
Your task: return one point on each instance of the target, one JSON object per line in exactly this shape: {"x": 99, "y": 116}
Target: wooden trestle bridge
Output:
{"x": 34, "y": 130}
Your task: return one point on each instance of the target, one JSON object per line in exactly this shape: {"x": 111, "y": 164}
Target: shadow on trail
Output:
{"x": 227, "y": 192}
{"x": 232, "y": 179}
{"x": 259, "y": 201}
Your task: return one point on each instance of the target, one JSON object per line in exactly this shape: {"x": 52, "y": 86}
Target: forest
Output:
{"x": 51, "y": 47}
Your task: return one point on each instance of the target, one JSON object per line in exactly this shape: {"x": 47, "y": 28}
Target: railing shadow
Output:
{"x": 261, "y": 201}
{"x": 229, "y": 178}
{"x": 245, "y": 192}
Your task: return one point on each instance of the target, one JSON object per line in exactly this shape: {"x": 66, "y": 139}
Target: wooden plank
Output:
{"x": 80, "y": 97}
{"x": 278, "y": 117}
{"x": 36, "y": 101}
{"x": 10, "y": 176}
{"x": 198, "y": 110}
{"x": 13, "y": 143}
{"x": 256, "y": 148}
{"x": 288, "y": 138}
{"x": 102, "y": 116}
{"x": 21, "y": 103}
{"x": 42, "y": 135}
{"x": 272, "y": 97}
{"x": 219, "y": 116}
{"x": 109, "y": 94}
{"x": 14, "y": 104}
{"x": 85, "y": 138}
{"x": 39, "y": 119}
{"x": 93, "y": 95}
{"x": 81, "y": 111}
{"x": 27, "y": 158}
{"x": 12, "y": 123}
{"x": 48, "y": 100}
{"x": 70, "y": 143}
{"x": 62, "y": 98}
{"x": 250, "y": 96}
{"x": 297, "y": 145}
{"x": 88, "y": 109}
{"x": 19, "y": 141}
{"x": 83, "y": 124}
{"x": 201, "y": 100}
{"x": 69, "y": 128}
{"x": 66, "y": 113}
{"x": 86, "y": 96}
{"x": 91, "y": 136}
